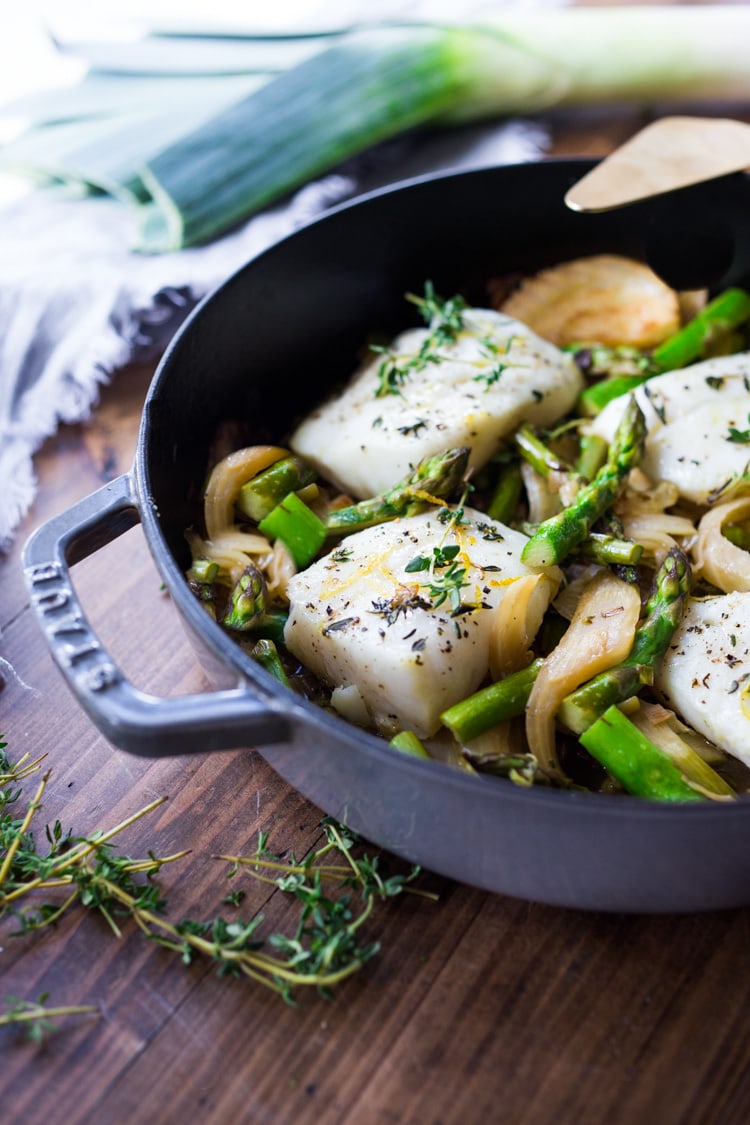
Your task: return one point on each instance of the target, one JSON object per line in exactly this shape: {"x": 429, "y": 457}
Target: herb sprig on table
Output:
{"x": 336, "y": 890}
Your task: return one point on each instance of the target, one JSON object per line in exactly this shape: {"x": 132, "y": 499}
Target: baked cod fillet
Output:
{"x": 364, "y": 616}
{"x": 469, "y": 391}
{"x": 705, "y": 673}
{"x": 697, "y": 419}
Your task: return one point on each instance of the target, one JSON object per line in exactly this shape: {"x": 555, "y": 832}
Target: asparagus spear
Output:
{"x": 557, "y": 536}
{"x": 436, "y": 476}
{"x": 638, "y": 764}
{"x": 297, "y": 526}
{"x": 717, "y": 320}
{"x": 260, "y": 495}
{"x": 600, "y": 547}
{"x": 491, "y": 705}
{"x": 266, "y": 654}
{"x": 664, "y": 611}
{"x": 504, "y": 501}
{"x": 593, "y": 454}
{"x": 247, "y": 601}
{"x": 593, "y": 400}
{"x": 610, "y": 550}
{"x": 407, "y": 742}
{"x": 539, "y": 455}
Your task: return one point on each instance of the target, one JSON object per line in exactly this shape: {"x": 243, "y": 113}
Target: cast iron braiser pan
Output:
{"x": 271, "y": 342}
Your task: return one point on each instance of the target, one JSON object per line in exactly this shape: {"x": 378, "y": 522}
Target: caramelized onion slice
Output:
{"x": 599, "y": 636}
{"x": 716, "y": 559}
{"x": 226, "y": 480}
{"x": 516, "y": 622}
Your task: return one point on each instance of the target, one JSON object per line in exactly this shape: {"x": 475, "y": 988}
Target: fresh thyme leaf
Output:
{"x": 341, "y": 554}
{"x": 413, "y": 428}
{"x": 405, "y": 599}
{"x": 36, "y": 1017}
{"x": 448, "y": 585}
{"x": 741, "y": 437}
{"x": 335, "y": 899}
{"x": 443, "y": 315}
{"x": 490, "y": 349}
{"x": 445, "y": 320}
{"x": 492, "y": 374}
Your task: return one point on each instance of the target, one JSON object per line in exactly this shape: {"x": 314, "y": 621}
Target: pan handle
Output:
{"x": 129, "y": 718}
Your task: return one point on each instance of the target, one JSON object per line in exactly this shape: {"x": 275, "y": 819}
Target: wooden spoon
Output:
{"x": 690, "y": 232}
{"x": 671, "y": 153}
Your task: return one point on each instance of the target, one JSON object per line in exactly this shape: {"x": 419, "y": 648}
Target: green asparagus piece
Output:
{"x": 603, "y": 361}
{"x": 700, "y": 336}
{"x": 297, "y": 527}
{"x": 504, "y": 501}
{"x": 592, "y": 455}
{"x": 491, "y": 705}
{"x": 408, "y": 743}
{"x": 540, "y": 456}
{"x": 203, "y": 571}
{"x": 437, "y": 476}
{"x": 271, "y": 626}
{"x": 201, "y": 579}
{"x": 608, "y": 550}
{"x": 557, "y": 536}
{"x": 738, "y": 534}
{"x": 247, "y": 601}
{"x": 601, "y": 547}
{"x": 265, "y": 653}
{"x": 260, "y": 495}
{"x": 664, "y": 611}
{"x": 640, "y": 766}
{"x": 595, "y": 398}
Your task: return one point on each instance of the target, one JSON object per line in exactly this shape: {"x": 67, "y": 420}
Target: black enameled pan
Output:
{"x": 276, "y": 337}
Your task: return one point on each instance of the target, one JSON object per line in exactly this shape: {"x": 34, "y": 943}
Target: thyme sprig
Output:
{"x": 40, "y": 885}
{"x": 445, "y": 319}
{"x": 37, "y": 1017}
{"x": 447, "y": 585}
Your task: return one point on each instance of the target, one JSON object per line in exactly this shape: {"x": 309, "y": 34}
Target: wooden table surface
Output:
{"x": 478, "y": 1007}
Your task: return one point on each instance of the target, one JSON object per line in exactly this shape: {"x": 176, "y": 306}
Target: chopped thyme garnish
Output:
{"x": 658, "y": 408}
{"x": 405, "y": 599}
{"x": 446, "y": 585}
{"x": 341, "y": 554}
{"x": 741, "y": 437}
{"x": 489, "y": 532}
{"x": 489, "y": 348}
{"x": 445, "y": 318}
{"x": 342, "y": 623}
{"x": 414, "y": 427}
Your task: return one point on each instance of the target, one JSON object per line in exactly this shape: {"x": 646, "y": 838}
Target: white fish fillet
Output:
{"x": 690, "y": 414}
{"x": 495, "y": 375}
{"x": 705, "y": 673}
{"x": 364, "y": 619}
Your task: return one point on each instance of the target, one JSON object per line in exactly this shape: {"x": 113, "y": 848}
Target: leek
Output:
{"x": 375, "y": 84}
{"x": 335, "y": 96}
